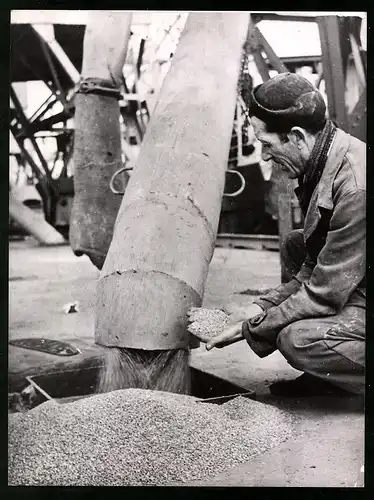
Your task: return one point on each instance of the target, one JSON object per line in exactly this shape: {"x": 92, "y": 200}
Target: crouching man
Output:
{"x": 317, "y": 318}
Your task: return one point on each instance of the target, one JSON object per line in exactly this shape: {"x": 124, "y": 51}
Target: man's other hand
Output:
{"x": 237, "y": 313}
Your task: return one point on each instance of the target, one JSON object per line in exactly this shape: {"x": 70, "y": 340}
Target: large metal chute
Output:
{"x": 97, "y": 145}
{"x": 165, "y": 231}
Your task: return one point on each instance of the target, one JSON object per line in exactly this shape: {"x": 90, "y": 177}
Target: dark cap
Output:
{"x": 289, "y": 99}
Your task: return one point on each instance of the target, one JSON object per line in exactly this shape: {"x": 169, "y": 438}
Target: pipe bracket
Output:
{"x": 100, "y": 87}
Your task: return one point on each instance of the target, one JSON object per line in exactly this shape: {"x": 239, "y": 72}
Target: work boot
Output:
{"x": 307, "y": 386}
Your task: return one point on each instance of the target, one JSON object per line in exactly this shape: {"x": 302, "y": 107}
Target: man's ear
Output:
{"x": 298, "y": 136}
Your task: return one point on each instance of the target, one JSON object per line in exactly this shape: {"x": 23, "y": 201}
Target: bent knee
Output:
{"x": 285, "y": 339}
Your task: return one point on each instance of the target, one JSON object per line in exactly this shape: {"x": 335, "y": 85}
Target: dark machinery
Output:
{"x": 342, "y": 67}
{"x": 33, "y": 58}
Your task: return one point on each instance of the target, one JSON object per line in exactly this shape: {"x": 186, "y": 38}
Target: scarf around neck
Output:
{"x": 315, "y": 165}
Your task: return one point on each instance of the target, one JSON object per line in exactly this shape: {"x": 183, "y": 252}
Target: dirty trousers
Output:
{"x": 331, "y": 348}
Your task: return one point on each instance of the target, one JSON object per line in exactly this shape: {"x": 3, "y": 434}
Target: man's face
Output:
{"x": 284, "y": 154}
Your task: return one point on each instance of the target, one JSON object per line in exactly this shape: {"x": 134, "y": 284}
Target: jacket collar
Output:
{"x": 338, "y": 150}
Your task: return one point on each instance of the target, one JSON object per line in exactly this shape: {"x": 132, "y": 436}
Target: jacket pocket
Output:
{"x": 347, "y": 343}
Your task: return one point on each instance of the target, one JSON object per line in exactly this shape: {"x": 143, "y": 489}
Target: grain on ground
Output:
{"x": 138, "y": 437}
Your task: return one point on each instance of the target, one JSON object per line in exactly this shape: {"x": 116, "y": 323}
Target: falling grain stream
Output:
{"x": 134, "y": 368}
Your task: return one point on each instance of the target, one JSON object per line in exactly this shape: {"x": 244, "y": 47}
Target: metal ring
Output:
{"x": 111, "y": 184}
{"x": 241, "y": 189}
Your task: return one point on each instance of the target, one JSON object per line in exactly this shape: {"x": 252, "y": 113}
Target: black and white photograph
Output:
{"x": 187, "y": 248}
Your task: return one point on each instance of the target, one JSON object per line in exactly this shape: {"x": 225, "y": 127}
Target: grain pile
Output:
{"x": 207, "y": 323}
{"x": 138, "y": 437}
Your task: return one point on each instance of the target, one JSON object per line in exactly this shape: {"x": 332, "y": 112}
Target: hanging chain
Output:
{"x": 244, "y": 86}
{"x": 243, "y": 62}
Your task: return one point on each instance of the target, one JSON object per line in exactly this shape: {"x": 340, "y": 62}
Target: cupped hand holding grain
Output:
{"x": 233, "y": 331}
{"x": 206, "y": 323}
{"x": 202, "y": 314}
{"x": 216, "y": 327}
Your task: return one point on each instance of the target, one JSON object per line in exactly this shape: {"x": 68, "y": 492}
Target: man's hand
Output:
{"x": 230, "y": 335}
{"x": 233, "y": 332}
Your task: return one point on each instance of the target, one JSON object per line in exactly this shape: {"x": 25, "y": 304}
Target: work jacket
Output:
{"x": 333, "y": 273}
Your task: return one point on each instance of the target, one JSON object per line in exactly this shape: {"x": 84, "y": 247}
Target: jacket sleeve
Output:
{"x": 282, "y": 292}
{"x": 339, "y": 269}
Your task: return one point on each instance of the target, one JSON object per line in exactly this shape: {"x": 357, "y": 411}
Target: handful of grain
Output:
{"x": 207, "y": 323}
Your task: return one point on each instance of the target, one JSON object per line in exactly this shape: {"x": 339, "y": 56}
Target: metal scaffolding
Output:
{"x": 56, "y": 59}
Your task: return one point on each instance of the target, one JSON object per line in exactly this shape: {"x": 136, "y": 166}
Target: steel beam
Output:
{"x": 320, "y": 75}
{"x": 34, "y": 167}
{"x": 40, "y": 108}
{"x": 258, "y": 44}
{"x": 39, "y": 77}
{"x": 301, "y": 60}
{"x": 46, "y": 34}
{"x": 357, "y": 119}
{"x": 60, "y": 94}
{"x": 26, "y": 126}
{"x": 253, "y": 46}
{"x": 49, "y": 106}
{"x": 361, "y": 73}
{"x": 267, "y": 16}
{"x": 47, "y": 123}
{"x": 261, "y": 65}
{"x": 46, "y": 197}
{"x": 274, "y": 60}
{"x": 333, "y": 69}
{"x": 140, "y": 58}
{"x": 285, "y": 188}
